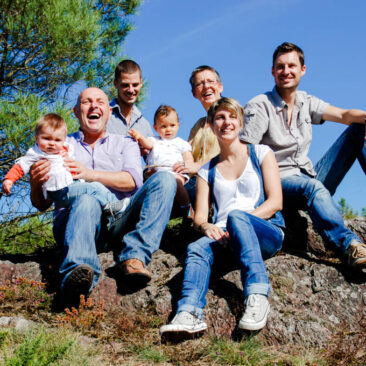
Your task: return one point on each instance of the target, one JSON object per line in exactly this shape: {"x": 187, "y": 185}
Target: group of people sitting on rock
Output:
{"x": 244, "y": 162}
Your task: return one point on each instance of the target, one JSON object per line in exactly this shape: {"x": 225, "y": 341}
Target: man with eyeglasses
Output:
{"x": 207, "y": 87}
{"x": 282, "y": 119}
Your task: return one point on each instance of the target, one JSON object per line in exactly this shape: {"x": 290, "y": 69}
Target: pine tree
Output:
{"x": 45, "y": 44}
{"x": 45, "y": 47}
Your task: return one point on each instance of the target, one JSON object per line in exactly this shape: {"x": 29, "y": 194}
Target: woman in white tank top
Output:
{"x": 244, "y": 185}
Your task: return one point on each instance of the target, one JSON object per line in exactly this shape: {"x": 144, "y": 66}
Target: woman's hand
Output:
{"x": 190, "y": 168}
{"x": 214, "y": 232}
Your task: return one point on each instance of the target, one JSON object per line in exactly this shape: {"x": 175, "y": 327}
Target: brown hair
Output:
{"x": 52, "y": 120}
{"x": 287, "y": 47}
{"x": 126, "y": 67}
{"x": 164, "y": 110}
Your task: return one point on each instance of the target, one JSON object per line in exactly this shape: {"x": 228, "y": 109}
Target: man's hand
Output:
{"x": 78, "y": 170}
{"x": 39, "y": 174}
{"x": 7, "y": 184}
{"x": 148, "y": 173}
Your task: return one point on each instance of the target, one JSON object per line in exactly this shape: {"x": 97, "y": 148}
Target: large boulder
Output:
{"x": 314, "y": 296}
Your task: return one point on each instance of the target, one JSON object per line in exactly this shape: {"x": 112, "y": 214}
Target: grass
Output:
{"x": 151, "y": 353}
{"x": 247, "y": 352}
{"x": 117, "y": 336}
{"x": 40, "y": 347}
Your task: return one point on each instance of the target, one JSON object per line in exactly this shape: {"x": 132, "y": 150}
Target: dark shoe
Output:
{"x": 78, "y": 283}
{"x": 135, "y": 270}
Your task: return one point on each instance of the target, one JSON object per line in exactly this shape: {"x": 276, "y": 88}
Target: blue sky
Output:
{"x": 238, "y": 37}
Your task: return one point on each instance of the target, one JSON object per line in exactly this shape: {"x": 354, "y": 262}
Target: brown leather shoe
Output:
{"x": 135, "y": 269}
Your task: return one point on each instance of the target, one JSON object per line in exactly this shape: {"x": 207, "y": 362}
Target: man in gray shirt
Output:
{"x": 125, "y": 114}
{"x": 282, "y": 119}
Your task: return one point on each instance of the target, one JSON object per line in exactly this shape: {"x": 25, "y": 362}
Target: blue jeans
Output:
{"x": 336, "y": 162}
{"x": 252, "y": 239}
{"x": 190, "y": 187}
{"x": 66, "y": 196}
{"x": 137, "y": 231}
{"x": 314, "y": 194}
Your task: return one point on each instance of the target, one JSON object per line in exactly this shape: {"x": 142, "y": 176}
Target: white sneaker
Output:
{"x": 184, "y": 322}
{"x": 115, "y": 208}
{"x": 256, "y": 312}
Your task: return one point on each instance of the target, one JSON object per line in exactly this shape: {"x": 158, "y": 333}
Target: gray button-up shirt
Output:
{"x": 117, "y": 124}
{"x": 266, "y": 122}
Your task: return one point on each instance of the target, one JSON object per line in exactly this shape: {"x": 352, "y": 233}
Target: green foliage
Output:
{"x": 151, "y": 353}
{"x": 248, "y": 352}
{"x": 26, "y": 235}
{"x": 45, "y": 44}
{"x": 40, "y": 347}
{"x": 346, "y": 210}
{"x": 45, "y": 47}
{"x": 22, "y": 230}
{"x": 18, "y": 118}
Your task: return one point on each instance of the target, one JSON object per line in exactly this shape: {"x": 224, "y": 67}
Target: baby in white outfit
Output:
{"x": 50, "y": 133}
{"x": 167, "y": 149}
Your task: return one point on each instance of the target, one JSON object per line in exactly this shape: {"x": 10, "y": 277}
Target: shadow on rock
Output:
{"x": 124, "y": 286}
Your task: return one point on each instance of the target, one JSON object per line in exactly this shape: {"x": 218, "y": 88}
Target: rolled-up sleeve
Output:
{"x": 317, "y": 109}
{"x": 132, "y": 162}
{"x": 255, "y": 124}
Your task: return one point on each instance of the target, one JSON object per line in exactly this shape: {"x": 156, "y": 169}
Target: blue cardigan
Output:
{"x": 277, "y": 218}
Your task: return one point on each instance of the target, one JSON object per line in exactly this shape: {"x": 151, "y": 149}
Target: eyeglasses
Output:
{"x": 206, "y": 83}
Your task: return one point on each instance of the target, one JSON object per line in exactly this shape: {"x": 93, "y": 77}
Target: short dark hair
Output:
{"x": 203, "y": 68}
{"x": 164, "y": 110}
{"x": 126, "y": 67}
{"x": 287, "y": 47}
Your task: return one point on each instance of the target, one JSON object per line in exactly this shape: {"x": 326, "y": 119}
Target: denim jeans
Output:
{"x": 137, "y": 231}
{"x": 251, "y": 239}
{"x": 314, "y": 194}
{"x": 66, "y": 196}
{"x": 336, "y": 162}
{"x": 190, "y": 187}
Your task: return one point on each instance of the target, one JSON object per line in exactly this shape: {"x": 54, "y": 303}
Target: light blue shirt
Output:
{"x": 111, "y": 153}
{"x": 117, "y": 124}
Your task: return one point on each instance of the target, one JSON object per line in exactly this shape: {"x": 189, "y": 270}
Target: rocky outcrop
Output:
{"x": 314, "y": 296}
